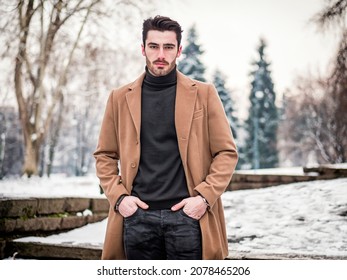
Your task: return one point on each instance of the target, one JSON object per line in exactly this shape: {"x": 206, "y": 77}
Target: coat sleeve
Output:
{"x": 107, "y": 155}
{"x": 223, "y": 150}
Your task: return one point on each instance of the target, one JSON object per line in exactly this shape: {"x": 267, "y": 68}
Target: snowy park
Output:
{"x": 307, "y": 219}
{"x": 279, "y": 69}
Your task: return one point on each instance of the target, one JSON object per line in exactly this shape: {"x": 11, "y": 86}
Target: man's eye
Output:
{"x": 153, "y": 47}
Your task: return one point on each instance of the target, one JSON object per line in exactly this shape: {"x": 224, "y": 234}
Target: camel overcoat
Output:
{"x": 206, "y": 146}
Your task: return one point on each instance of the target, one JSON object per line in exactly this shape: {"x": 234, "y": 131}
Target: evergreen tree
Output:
{"x": 190, "y": 64}
{"x": 261, "y": 144}
{"x": 224, "y": 94}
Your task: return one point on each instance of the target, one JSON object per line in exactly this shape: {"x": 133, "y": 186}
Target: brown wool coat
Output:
{"x": 206, "y": 146}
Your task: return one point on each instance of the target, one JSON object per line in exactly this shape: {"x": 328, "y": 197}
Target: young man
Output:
{"x": 170, "y": 139}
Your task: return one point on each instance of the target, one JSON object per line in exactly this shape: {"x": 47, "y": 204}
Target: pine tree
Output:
{"x": 261, "y": 125}
{"x": 190, "y": 64}
{"x": 224, "y": 94}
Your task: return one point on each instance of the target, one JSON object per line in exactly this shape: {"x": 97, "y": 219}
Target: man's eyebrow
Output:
{"x": 169, "y": 45}
{"x": 166, "y": 45}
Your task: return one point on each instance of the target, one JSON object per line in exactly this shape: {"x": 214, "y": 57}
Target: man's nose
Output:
{"x": 161, "y": 54}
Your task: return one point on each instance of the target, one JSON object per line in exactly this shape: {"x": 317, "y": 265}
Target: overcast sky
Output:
{"x": 229, "y": 32}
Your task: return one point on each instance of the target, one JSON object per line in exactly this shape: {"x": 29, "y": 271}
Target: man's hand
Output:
{"x": 195, "y": 207}
{"x": 129, "y": 205}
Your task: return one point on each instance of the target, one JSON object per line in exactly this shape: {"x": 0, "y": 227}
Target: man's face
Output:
{"x": 161, "y": 51}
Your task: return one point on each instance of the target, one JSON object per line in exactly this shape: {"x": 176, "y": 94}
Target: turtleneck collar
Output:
{"x": 160, "y": 82}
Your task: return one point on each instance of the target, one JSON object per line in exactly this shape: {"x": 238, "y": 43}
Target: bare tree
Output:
{"x": 310, "y": 126}
{"x": 315, "y": 114}
{"x": 38, "y": 24}
{"x": 47, "y": 36}
{"x": 334, "y": 15}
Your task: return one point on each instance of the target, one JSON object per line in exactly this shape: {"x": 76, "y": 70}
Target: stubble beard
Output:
{"x": 155, "y": 71}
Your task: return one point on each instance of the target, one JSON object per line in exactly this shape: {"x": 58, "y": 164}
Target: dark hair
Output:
{"x": 161, "y": 23}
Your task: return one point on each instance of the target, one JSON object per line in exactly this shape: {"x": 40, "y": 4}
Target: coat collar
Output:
{"x": 184, "y": 109}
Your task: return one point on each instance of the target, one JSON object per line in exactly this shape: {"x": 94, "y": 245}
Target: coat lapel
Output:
{"x": 184, "y": 111}
{"x": 133, "y": 98}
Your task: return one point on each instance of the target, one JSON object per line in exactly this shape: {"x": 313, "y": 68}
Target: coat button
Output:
{"x": 133, "y": 164}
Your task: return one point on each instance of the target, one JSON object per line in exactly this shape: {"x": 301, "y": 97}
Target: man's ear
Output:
{"x": 143, "y": 50}
{"x": 179, "y": 51}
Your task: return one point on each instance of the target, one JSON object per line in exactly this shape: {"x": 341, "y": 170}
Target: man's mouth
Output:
{"x": 160, "y": 63}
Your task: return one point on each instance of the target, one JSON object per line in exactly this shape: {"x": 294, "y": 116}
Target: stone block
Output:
{"x": 18, "y": 207}
{"x": 100, "y": 205}
{"x": 73, "y": 222}
{"x": 51, "y": 251}
{"x": 2, "y": 249}
{"x": 7, "y": 225}
{"x": 37, "y": 224}
{"x": 286, "y": 179}
{"x": 48, "y": 206}
{"x": 96, "y": 217}
{"x": 75, "y": 204}
{"x": 256, "y": 178}
{"x": 48, "y": 223}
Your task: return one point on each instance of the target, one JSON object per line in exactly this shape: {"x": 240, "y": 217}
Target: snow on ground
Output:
{"x": 91, "y": 235}
{"x": 57, "y": 185}
{"x": 307, "y": 218}
{"x": 303, "y": 218}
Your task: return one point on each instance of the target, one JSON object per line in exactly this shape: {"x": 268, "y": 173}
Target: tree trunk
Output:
{"x": 31, "y": 159}
{"x": 2, "y": 144}
{"x": 54, "y": 137}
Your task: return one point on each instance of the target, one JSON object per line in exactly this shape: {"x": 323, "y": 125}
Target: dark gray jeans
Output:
{"x": 160, "y": 235}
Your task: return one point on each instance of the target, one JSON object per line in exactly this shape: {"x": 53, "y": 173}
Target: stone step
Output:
{"x": 46, "y": 224}
{"x": 30, "y": 207}
{"x": 32, "y": 250}
{"x": 46, "y": 215}
{"x": 235, "y": 255}
{"x": 327, "y": 170}
{"x": 243, "y": 181}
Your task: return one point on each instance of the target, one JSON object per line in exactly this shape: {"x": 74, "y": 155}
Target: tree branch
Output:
{"x": 332, "y": 13}
{"x": 58, "y": 96}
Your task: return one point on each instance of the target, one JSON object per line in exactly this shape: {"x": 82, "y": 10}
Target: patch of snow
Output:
{"x": 57, "y": 185}
{"x": 307, "y": 217}
{"x": 302, "y": 218}
{"x": 87, "y": 212}
{"x": 33, "y": 137}
{"x": 91, "y": 234}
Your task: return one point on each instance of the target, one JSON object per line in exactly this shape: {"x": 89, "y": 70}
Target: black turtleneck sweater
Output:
{"x": 160, "y": 181}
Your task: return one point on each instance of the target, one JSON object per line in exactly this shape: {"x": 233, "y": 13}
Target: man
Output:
{"x": 171, "y": 138}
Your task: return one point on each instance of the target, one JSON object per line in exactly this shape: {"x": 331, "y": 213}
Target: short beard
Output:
{"x": 159, "y": 72}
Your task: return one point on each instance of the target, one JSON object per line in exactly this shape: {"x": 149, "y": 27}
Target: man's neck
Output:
{"x": 169, "y": 79}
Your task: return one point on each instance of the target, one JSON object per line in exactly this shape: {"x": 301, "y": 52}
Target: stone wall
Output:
{"x": 44, "y": 216}
{"x": 242, "y": 181}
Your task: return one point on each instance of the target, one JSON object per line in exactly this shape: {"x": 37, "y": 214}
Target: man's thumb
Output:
{"x": 178, "y": 205}
{"x": 141, "y": 204}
